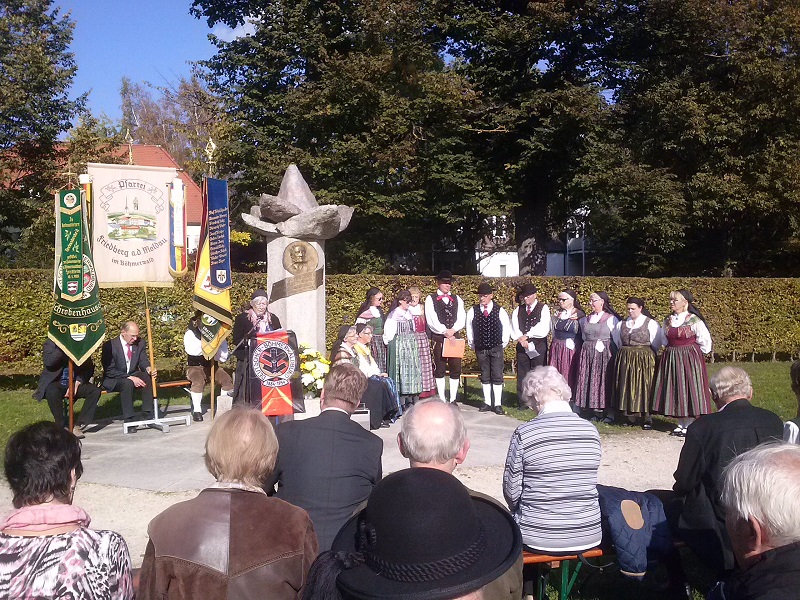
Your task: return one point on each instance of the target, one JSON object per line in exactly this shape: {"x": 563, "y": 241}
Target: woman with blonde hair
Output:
{"x": 681, "y": 387}
{"x": 231, "y": 536}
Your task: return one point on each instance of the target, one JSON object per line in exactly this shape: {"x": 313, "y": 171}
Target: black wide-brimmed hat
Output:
{"x": 444, "y": 277}
{"x": 484, "y": 288}
{"x": 423, "y": 536}
{"x": 527, "y": 290}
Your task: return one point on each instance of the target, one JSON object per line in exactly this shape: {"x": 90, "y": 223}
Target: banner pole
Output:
{"x": 71, "y": 396}
{"x": 150, "y": 350}
{"x": 213, "y": 373}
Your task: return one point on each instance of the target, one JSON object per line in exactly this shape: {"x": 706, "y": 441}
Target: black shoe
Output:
{"x": 647, "y": 426}
{"x": 385, "y": 425}
{"x": 131, "y": 420}
{"x": 146, "y": 416}
{"x": 607, "y": 420}
{"x": 484, "y": 408}
{"x": 196, "y": 417}
{"x": 499, "y": 410}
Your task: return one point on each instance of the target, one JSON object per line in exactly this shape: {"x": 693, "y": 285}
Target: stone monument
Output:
{"x": 296, "y": 228}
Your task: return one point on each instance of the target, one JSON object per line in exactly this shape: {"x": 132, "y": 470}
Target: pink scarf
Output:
{"x": 42, "y": 517}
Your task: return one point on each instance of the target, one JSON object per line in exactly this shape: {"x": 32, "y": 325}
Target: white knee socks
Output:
{"x": 440, "y": 388}
{"x": 454, "y": 383}
{"x": 487, "y": 393}
{"x": 197, "y": 399}
{"x": 498, "y": 394}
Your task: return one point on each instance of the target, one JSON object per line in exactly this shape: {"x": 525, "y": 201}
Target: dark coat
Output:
{"x": 228, "y": 544}
{"x": 327, "y": 465}
{"x": 242, "y": 326}
{"x": 712, "y": 442}
{"x": 55, "y": 361}
{"x": 113, "y": 359}
{"x": 776, "y": 576}
{"x": 634, "y": 546}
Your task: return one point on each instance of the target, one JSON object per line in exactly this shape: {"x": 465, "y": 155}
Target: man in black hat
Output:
{"x": 421, "y": 535}
{"x": 530, "y": 326}
{"x": 488, "y": 332}
{"x": 249, "y": 323}
{"x": 445, "y": 316}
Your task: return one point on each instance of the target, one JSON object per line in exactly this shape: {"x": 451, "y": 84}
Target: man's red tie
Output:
{"x": 529, "y": 309}
{"x": 485, "y": 312}
{"x": 439, "y": 297}
{"x": 130, "y": 352}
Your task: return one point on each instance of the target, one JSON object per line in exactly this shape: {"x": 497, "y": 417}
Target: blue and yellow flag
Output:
{"x": 212, "y": 283}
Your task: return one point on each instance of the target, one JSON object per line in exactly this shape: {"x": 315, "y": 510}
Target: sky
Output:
{"x": 145, "y": 40}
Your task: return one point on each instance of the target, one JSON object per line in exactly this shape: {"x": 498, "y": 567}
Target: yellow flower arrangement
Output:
{"x": 313, "y": 366}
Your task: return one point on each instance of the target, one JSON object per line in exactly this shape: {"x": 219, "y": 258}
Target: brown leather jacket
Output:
{"x": 228, "y": 544}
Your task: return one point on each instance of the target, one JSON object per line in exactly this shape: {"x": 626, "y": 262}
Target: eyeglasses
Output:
{"x": 595, "y": 300}
{"x": 563, "y": 299}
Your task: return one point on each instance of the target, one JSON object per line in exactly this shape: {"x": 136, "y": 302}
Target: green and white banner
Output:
{"x": 76, "y": 324}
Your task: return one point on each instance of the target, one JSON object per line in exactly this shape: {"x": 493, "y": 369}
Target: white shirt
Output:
{"x": 366, "y": 363}
{"x": 373, "y": 310}
{"x": 555, "y": 406}
{"x": 433, "y": 319}
{"x": 505, "y": 333}
{"x": 652, "y": 328}
{"x": 540, "y": 330}
{"x": 194, "y": 347}
{"x": 611, "y": 323}
{"x": 566, "y": 314}
{"x": 390, "y": 327}
{"x": 703, "y": 336}
{"x": 125, "y": 353}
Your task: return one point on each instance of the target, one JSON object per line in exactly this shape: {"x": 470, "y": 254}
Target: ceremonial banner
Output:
{"x": 212, "y": 292}
{"x": 131, "y": 228}
{"x": 177, "y": 228}
{"x": 218, "y": 227}
{"x": 76, "y": 323}
{"x": 275, "y": 373}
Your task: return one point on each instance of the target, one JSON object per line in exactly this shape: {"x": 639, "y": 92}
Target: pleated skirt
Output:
{"x": 563, "y": 359}
{"x": 425, "y": 361}
{"x": 378, "y": 350}
{"x": 681, "y": 386}
{"x": 634, "y": 371}
{"x": 593, "y": 388}
{"x": 404, "y": 368}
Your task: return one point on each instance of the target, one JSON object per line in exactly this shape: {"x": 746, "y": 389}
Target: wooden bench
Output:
{"x": 569, "y": 565}
{"x": 465, "y": 376}
{"x": 163, "y": 384}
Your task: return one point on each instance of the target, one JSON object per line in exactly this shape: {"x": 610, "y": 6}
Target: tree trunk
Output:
{"x": 530, "y": 229}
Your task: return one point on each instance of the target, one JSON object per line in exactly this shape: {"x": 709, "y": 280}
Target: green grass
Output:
{"x": 771, "y": 390}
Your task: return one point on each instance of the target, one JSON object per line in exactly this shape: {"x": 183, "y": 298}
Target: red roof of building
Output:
{"x": 147, "y": 155}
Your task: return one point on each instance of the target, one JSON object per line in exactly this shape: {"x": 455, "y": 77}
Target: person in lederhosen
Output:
{"x": 445, "y": 315}
{"x": 530, "y": 326}
{"x": 488, "y": 332}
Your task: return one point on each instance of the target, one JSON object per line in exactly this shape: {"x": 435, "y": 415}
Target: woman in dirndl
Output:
{"x": 566, "y": 337}
{"x": 421, "y": 333}
{"x": 681, "y": 387}
{"x": 370, "y": 313}
{"x": 637, "y": 339}
{"x": 403, "y": 354}
{"x": 593, "y": 388}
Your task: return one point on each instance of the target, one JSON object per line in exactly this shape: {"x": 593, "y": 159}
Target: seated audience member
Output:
{"x": 53, "y": 384}
{"x": 380, "y": 397}
{"x": 791, "y": 430}
{"x": 198, "y": 368}
{"x": 698, "y": 516}
{"x": 47, "y": 548}
{"x": 231, "y": 541}
{"x": 433, "y": 435}
{"x": 328, "y": 464}
{"x": 344, "y": 349}
{"x": 762, "y": 515}
{"x": 126, "y": 367}
{"x": 421, "y": 535}
{"x": 550, "y": 485}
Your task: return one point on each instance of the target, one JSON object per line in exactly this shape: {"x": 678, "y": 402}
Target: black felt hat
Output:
{"x": 423, "y": 536}
{"x": 527, "y": 290}
{"x": 484, "y": 288}
{"x": 444, "y": 277}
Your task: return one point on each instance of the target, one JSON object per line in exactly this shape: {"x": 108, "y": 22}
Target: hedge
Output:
{"x": 747, "y": 317}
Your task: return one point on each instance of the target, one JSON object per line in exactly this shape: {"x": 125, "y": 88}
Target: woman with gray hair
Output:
{"x": 231, "y": 536}
{"x": 550, "y": 485}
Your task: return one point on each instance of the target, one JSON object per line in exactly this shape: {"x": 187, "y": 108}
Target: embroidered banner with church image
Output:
{"x": 131, "y": 224}
{"x": 274, "y": 368}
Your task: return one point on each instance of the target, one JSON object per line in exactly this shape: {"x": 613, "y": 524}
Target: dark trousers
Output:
{"x": 239, "y": 382}
{"x": 442, "y": 365}
{"x": 55, "y": 393}
{"x": 491, "y": 364}
{"x": 125, "y": 388}
{"x": 525, "y": 363}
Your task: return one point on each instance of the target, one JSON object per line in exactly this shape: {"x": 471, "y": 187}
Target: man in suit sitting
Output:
{"x": 126, "y": 367}
{"x": 53, "y": 386}
{"x": 328, "y": 464}
{"x": 712, "y": 442}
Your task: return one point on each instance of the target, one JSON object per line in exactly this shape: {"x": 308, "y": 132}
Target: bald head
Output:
{"x": 433, "y": 434}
